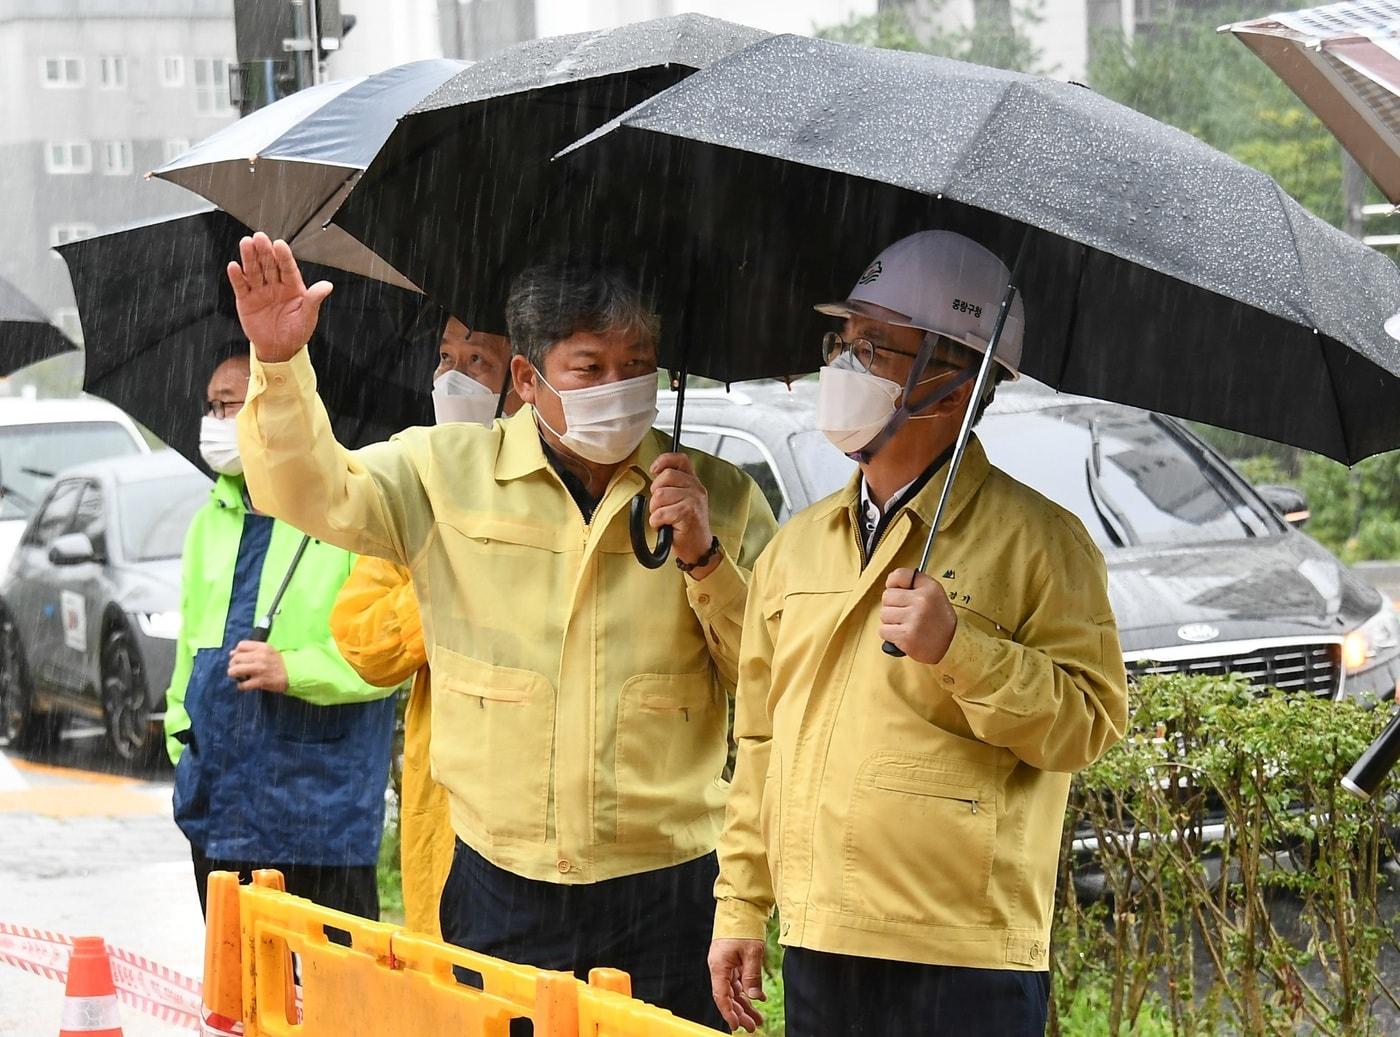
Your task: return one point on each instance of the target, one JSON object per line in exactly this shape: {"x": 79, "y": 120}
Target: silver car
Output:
{"x": 90, "y": 608}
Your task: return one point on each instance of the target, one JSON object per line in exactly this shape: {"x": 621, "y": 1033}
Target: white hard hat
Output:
{"x": 944, "y": 283}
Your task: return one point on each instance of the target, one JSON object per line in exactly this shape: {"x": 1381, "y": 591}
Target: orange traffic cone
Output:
{"x": 90, "y": 999}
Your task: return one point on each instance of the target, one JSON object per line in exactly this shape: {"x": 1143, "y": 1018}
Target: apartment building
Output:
{"x": 93, "y": 95}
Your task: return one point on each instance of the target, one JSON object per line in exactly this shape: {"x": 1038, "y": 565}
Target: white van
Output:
{"x": 39, "y": 438}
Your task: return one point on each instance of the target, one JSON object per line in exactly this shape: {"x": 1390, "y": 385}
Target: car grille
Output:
{"x": 1312, "y": 668}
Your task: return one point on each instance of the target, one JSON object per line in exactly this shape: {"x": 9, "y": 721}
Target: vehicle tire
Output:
{"x": 125, "y": 704}
{"x": 24, "y": 728}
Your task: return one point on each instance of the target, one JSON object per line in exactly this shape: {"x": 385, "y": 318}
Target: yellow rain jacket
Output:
{"x": 579, "y": 707}
{"x": 377, "y": 628}
{"x": 904, "y": 811}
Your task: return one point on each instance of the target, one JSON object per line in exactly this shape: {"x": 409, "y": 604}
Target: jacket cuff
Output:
{"x": 964, "y": 667}
{"x": 291, "y": 378}
{"x": 717, "y": 592}
{"x": 740, "y": 920}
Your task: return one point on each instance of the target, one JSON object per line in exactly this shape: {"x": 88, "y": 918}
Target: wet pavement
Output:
{"x": 88, "y": 847}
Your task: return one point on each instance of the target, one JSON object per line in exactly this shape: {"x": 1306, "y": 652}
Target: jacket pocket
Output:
{"x": 670, "y": 749}
{"x": 493, "y": 743}
{"x": 920, "y": 844}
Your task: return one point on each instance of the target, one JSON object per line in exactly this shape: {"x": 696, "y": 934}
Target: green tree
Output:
{"x": 996, "y": 40}
{"x": 1185, "y": 73}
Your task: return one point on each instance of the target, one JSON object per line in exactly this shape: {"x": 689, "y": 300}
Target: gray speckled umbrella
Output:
{"x": 458, "y": 197}
{"x": 26, "y": 336}
{"x": 1159, "y": 272}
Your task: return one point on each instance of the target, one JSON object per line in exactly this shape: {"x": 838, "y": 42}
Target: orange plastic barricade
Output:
{"x": 372, "y": 979}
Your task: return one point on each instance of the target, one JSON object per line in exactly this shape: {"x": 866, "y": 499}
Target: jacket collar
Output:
{"x": 971, "y": 475}
{"x": 227, "y": 492}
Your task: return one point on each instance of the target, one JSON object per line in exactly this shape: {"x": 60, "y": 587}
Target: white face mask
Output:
{"x": 459, "y": 398}
{"x": 853, "y": 405}
{"x": 218, "y": 444}
{"x": 604, "y": 423}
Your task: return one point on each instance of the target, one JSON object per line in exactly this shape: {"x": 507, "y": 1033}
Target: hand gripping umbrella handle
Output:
{"x": 652, "y": 559}
{"x": 637, "y": 526}
{"x": 1369, "y": 771}
{"x": 978, "y": 387}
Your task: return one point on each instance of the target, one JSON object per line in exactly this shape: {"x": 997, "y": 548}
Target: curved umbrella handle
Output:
{"x": 652, "y": 559}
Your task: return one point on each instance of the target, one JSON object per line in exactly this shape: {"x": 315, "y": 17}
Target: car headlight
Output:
{"x": 160, "y": 624}
{"x": 1379, "y": 636}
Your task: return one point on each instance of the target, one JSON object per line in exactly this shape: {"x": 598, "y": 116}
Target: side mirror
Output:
{"x": 72, "y": 549}
{"x": 1288, "y": 501}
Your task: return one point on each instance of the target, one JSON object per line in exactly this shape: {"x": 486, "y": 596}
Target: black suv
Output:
{"x": 1207, "y": 576}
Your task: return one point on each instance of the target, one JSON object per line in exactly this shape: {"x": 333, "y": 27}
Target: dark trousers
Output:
{"x": 836, "y": 995}
{"x": 654, "y": 925}
{"x": 354, "y": 890}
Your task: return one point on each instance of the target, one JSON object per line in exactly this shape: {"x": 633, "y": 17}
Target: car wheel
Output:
{"x": 125, "y": 705}
{"x": 19, "y": 723}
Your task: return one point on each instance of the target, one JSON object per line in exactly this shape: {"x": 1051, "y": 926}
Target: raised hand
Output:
{"x": 278, "y": 312}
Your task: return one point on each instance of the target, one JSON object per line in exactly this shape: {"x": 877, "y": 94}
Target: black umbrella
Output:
{"x": 434, "y": 201}
{"x": 26, "y": 336}
{"x": 1157, "y": 272}
{"x": 157, "y": 311}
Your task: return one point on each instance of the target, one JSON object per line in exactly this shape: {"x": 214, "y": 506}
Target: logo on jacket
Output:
{"x": 1198, "y": 632}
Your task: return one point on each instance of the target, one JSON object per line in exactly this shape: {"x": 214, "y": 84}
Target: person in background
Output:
{"x": 379, "y": 631}
{"x": 281, "y": 750}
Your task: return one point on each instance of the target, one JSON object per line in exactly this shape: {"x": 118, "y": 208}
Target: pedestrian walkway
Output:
{"x": 84, "y": 853}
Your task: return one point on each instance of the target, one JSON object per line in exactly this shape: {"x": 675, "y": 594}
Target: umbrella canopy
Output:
{"x": 1158, "y": 272}
{"x": 1343, "y": 62}
{"x": 158, "y": 314}
{"x": 285, "y": 168}
{"x": 430, "y": 203}
{"x": 26, "y": 336}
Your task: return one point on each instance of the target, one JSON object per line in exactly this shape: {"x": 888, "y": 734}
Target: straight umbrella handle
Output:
{"x": 965, "y": 432}
{"x": 1375, "y": 763}
{"x": 263, "y": 629}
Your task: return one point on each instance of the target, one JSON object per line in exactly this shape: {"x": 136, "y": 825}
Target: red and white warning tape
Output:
{"x": 149, "y": 988}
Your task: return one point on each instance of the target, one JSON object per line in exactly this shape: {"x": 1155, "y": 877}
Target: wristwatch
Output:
{"x": 704, "y": 560}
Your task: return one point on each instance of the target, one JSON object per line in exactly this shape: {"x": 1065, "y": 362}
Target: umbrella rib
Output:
{"x": 1284, "y": 198}
{"x": 1073, "y": 321}
{"x": 307, "y": 222}
{"x": 1336, "y": 400}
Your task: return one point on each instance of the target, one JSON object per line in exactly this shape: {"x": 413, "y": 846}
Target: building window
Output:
{"x": 111, "y": 70}
{"x": 68, "y": 156}
{"x": 116, "y": 157}
{"x": 61, "y": 71}
{"x": 211, "y": 86}
{"x": 68, "y": 323}
{"x": 62, "y": 233}
{"x": 175, "y": 147}
{"x": 172, "y": 70}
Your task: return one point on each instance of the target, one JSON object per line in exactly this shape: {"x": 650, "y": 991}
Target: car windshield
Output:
{"x": 31, "y": 455}
{"x": 1131, "y": 477}
{"x": 156, "y": 512}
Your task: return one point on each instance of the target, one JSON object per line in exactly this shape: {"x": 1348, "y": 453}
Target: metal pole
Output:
{"x": 965, "y": 432}
{"x": 313, "y": 10}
